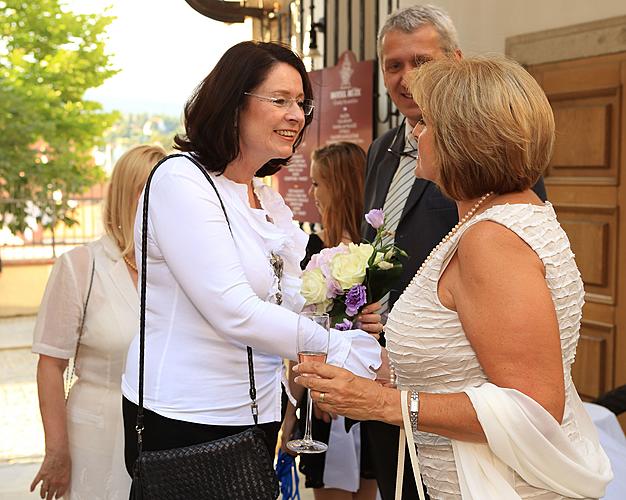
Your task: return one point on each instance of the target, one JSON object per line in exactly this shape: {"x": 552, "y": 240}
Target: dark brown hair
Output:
{"x": 342, "y": 167}
{"x": 212, "y": 111}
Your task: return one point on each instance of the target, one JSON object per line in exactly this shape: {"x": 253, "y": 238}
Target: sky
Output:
{"x": 163, "y": 48}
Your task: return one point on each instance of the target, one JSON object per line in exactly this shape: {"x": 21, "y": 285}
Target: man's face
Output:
{"x": 400, "y": 53}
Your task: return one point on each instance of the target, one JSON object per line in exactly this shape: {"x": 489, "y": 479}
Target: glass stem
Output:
{"x": 309, "y": 414}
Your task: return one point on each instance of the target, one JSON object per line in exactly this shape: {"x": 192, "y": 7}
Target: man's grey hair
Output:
{"x": 412, "y": 18}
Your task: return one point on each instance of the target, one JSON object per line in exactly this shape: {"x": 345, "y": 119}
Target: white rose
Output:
{"x": 363, "y": 250}
{"x": 384, "y": 265}
{"x": 324, "y": 307}
{"x": 349, "y": 268}
{"x": 313, "y": 286}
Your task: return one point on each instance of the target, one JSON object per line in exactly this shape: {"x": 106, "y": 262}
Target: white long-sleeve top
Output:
{"x": 210, "y": 294}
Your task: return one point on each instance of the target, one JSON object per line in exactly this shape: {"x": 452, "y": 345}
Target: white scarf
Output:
{"x": 523, "y": 437}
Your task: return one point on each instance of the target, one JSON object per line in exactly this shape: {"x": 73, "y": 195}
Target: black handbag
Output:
{"x": 230, "y": 468}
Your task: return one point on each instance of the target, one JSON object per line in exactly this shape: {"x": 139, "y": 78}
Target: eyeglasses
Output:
{"x": 306, "y": 105}
{"x": 393, "y": 149}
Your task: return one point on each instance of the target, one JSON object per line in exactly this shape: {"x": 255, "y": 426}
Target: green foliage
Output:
{"x": 49, "y": 57}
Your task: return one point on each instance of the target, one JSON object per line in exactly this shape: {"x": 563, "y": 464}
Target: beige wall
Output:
{"x": 21, "y": 288}
{"x": 483, "y": 25}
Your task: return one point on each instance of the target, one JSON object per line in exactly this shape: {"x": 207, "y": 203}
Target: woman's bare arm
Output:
{"x": 497, "y": 285}
{"x": 55, "y": 470}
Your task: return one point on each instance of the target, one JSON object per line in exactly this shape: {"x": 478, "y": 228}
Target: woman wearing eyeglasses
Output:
{"x": 223, "y": 273}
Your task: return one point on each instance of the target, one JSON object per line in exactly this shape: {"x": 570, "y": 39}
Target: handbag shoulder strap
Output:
{"x": 69, "y": 374}
{"x": 142, "y": 320}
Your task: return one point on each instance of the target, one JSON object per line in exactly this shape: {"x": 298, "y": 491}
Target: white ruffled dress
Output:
{"x": 529, "y": 455}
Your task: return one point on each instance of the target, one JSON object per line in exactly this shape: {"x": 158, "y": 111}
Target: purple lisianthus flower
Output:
{"x": 346, "y": 324}
{"x": 355, "y": 299}
{"x": 375, "y": 217}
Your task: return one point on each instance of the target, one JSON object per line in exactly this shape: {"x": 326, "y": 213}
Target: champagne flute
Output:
{"x": 312, "y": 346}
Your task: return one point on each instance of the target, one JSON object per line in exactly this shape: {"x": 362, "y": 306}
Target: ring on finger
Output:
{"x": 322, "y": 396}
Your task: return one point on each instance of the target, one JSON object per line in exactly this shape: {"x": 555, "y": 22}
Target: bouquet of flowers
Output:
{"x": 343, "y": 279}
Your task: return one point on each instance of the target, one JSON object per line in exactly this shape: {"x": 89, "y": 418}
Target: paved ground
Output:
{"x": 21, "y": 433}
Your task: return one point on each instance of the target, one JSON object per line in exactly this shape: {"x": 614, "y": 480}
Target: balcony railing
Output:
{"x": 39, "y": 245}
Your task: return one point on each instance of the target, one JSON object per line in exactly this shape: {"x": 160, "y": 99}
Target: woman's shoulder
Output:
{"x": 528, "y": 220}
{"x": 509, "y": 231}
{"x": 76, "y": 258}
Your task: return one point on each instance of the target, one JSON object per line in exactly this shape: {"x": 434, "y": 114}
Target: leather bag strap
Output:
{"x": 69, "y": 374}
{"x": 139, "y": 427}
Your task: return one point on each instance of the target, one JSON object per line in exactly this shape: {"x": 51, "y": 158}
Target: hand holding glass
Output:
{"x": 312, "y": 346}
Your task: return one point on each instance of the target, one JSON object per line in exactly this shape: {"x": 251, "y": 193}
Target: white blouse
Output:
{"x": 210, "y": 293}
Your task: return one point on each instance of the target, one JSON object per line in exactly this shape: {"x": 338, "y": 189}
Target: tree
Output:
{"x": 49, "y": 57}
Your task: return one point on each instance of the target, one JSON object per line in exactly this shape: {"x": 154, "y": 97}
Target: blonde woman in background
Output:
{"x": 84, "y": 446}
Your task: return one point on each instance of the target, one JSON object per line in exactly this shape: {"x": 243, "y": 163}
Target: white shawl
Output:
{"x": 523, "y": 437}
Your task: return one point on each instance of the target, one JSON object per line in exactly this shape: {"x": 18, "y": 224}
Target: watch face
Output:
{"x": 414, "y": 403}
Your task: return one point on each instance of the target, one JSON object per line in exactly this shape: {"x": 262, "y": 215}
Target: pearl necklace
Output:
{"x": 453, "y": 231}
{"x": 130, "y": 264}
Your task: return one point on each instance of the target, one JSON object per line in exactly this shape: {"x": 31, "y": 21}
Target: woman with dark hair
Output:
{"x": 337, "y": 184}
{"x": 223, "y": 264}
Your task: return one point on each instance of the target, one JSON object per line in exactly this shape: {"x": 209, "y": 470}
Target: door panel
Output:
{"x": 583, "y": 182}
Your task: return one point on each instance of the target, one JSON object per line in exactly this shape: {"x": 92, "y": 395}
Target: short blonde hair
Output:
{"x": 127, "y": 180}
{"x": 492, "y": 125}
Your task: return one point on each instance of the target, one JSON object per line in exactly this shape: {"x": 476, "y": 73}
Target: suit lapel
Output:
{"x": 388, "y": 167}
{"x": 417, "y": 190}
{"x": 385, "y": 166}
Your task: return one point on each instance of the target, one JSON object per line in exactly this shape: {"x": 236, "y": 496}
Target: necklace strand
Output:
{"x": 130, "y": 264}
{"x": 468, "y": 215}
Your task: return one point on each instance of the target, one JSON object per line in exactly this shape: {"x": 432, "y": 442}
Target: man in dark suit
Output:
{"x": 414, "y": 208}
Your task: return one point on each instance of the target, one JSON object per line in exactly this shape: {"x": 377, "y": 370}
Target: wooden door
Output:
{"x": 585, "y": 183}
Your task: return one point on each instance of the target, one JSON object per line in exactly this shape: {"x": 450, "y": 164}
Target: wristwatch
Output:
{"x": 414, "y": 408}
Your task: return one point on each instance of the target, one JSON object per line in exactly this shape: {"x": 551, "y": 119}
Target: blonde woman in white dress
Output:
{"x": 84, "y": 452}
{"x": 483, "y": 339}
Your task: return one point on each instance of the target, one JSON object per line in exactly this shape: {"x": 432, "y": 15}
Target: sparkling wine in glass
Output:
{"x": 313, "y": 335}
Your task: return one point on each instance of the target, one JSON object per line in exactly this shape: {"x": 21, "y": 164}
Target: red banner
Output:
{"x": 347, "y": 102}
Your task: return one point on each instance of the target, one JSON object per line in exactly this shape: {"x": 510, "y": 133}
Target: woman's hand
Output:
{"x": 54, "y": 474}
{"x": 369, "y": 321}
{"x": 336, "y": 390}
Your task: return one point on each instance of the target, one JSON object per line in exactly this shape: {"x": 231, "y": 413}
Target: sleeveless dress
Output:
{"x": 431, "y": 353}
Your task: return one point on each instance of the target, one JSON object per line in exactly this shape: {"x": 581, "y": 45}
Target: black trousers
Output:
{"x": 383, "y": 448}
{"x": 162, "y": 433}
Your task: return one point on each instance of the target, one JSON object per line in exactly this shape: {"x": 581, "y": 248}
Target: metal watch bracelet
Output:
{"x": 414, "y": 407}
